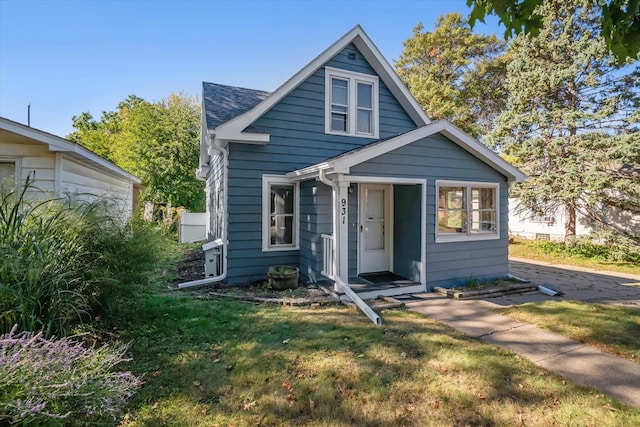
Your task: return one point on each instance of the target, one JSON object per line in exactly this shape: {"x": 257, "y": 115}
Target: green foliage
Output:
{"x": 60, "y": 382}
{"x": 63, "y": 263}
{"x": 604, "y": 246}
{"x": 158, "y": 142}
{"x": 620, "y": 21}
{"x": 455, "y": 74}
{"x": 571, "y": 121}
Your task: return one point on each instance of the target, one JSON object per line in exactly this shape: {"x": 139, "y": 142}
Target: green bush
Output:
{"x": 601, "y": 246}
{"x": 61, "y": 382}
{"x": 64, "y": 263}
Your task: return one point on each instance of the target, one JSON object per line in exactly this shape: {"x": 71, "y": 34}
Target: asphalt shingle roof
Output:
{"x": 223, "y": 103}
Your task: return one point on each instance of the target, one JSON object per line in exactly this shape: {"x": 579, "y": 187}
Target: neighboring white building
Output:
{"x": 62, "y": 168}
{"x": 551, "y": 225}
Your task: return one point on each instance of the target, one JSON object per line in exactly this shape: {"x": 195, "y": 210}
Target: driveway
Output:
{"x": 581, "y": 284}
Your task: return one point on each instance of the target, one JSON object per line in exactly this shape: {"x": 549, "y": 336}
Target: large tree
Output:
{"x": 572, "y": 121}
{"x": 455, "y": 74}
{"x": 619, "y": 21}
{"x": 158, "y": 142}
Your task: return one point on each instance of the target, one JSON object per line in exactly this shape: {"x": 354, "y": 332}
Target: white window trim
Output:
{"x": 468, "y": 237}
{"x": 353, "y": 78}
{"x": 267, "y": 181}
{"x": 17, "y": 161}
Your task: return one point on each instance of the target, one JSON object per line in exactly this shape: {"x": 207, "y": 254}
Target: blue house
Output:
{"x": 340, "y": 173}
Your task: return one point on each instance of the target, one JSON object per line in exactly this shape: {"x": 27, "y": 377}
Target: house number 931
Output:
{"x": 343, "y": 210}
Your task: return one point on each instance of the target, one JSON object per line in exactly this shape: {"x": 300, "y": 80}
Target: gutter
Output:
{"x": 342, "y": 285}
{"x": 222, "y": 242}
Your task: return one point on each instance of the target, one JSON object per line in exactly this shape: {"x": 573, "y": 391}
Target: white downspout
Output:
{"x": 336, "y": 256}
{"x": 225, "y": 219}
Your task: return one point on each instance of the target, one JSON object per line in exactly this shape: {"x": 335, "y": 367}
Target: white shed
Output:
{"x": 62, "y": 168}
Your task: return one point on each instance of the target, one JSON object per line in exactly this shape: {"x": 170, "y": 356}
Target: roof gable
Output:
{"x": 233, "y": 129}
{"x": 344, "y": 162}
{"x": 70, "y": 148}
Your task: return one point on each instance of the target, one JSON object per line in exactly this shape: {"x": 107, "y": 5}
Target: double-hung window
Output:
{"x": 467, "y": 211}
{"x": 351, "y": 101}
{"x": 280, "y": 216}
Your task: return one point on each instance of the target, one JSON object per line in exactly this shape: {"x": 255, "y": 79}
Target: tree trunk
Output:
{"x": 569, "y": 221}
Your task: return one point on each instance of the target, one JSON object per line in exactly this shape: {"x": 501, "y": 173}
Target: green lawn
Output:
{"x": 607, "y": 327}
{"x": 211, "y": 361}
{"x": 548, "y": 252}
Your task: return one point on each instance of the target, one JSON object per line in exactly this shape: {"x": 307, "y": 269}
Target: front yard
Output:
{"x": 212, "y": 361}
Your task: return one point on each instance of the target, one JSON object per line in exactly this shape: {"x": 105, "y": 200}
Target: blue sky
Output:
{"x": 67, "y": 57}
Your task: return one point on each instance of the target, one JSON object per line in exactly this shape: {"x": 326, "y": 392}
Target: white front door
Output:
{"x": 374, "y": 231}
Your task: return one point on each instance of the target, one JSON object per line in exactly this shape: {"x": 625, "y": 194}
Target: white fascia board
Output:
{"x": 58, "y": 144}
{"x": 228, "y": 135}
{"x": 308, "y": 172}
{"x": 471, "y": 145}
{"x": 359, "y": 38}
{"x": 204, "y": 137}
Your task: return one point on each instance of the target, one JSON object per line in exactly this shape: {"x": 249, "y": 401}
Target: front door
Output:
{"x": 374, "y": 230}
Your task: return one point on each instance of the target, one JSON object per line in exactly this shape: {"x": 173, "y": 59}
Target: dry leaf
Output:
{"x": 216, "y": 360}
{"x": 156, "y": 374}
{"x": 444, "y": 369}
{"x": 154, "y": 406}
{"x": 435, "y": 404}
{"x": 287, "y": 385}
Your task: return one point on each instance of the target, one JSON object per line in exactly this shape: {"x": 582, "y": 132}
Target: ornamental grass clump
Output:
{"x": 65, "y": 263}
{"x": 60, "y": 381}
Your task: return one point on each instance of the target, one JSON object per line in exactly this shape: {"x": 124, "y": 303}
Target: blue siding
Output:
{"x": 407, "y": 200}
{"x": 296, "y": 126}
{"x": 315, "y": 219}
{"x": 434, "y": 158}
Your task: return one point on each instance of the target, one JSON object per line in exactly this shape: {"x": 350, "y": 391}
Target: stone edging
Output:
{"x": 487, "y": 293}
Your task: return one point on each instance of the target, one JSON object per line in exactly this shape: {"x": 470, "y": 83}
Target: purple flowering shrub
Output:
{"x": 60, "y": 381}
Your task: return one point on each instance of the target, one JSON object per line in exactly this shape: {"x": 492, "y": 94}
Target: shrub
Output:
{"x": 602, "y": 246}
{"x": 61, "y": 382}
{"x": 63, "y": 262}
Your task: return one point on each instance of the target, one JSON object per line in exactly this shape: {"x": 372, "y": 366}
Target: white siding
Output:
{"x": 35, "y": 159}
{"x": 86, "y": 183}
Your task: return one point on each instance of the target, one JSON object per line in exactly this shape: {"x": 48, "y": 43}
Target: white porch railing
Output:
{"x": 328, "y": 269}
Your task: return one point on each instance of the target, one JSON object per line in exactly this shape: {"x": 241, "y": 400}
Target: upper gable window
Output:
{"x": 351, "y": 101}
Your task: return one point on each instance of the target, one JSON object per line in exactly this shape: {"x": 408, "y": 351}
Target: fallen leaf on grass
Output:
{"x": 609, "y": 407}
{"x": 287, "y": 385}
{"x": 247, "y": 406}
{"x": 216, "y": 360}
{"x": 156, "y": 374}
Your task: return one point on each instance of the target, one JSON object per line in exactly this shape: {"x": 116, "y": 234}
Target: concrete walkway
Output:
{"x": 578, "y": 362}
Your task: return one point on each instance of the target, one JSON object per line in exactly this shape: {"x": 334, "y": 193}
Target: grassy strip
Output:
{"x": 223, "y": 362}
{"x": 552, "y": 253}
{"x": 607, "y": 327}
